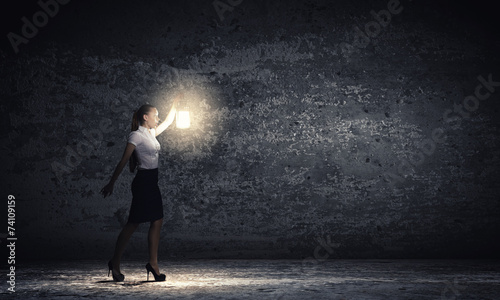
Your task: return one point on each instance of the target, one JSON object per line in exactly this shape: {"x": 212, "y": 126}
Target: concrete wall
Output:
{"x": 308, "y": 139}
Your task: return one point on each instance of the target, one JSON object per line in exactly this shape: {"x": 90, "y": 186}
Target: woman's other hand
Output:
{"x": 107, "y": 190}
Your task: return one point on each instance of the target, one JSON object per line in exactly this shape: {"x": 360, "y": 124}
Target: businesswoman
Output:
{"x": 142, "y": 152}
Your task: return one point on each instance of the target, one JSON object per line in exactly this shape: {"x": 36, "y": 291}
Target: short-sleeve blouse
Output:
{"x": 147, "y": 147}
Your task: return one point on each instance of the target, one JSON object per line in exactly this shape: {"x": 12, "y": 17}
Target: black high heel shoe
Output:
{"x": 160, "y": 277}
{"x": 119, "y": 277}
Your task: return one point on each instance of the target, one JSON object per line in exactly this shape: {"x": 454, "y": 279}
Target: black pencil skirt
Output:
{"x": 147, "y": 205}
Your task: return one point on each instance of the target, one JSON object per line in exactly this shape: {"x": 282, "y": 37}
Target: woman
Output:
{"x": 142, "y": 152}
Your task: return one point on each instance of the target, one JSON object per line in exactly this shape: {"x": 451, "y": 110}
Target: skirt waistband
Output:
{"x": 147, "y": 170}
{"x": 146, "y": 175}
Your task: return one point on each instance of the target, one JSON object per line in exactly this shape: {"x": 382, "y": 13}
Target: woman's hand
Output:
{"x": 107, "y": 190}
{"x": 177, "y": 99}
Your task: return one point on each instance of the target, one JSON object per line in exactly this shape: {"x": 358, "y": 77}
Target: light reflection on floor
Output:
{"x": 263, "y": 279}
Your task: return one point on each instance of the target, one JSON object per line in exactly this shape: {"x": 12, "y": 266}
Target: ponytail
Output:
{"x": 132, "y": 162}
{"x": 135, "y": 123}
{"x": 137, "y": 119}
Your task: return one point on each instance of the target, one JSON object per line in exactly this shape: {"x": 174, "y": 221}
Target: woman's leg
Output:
{"x": 121, "y": 242}
{"x": 153, "y": 242}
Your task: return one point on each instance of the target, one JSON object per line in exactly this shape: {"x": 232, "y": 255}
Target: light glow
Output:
{"x": 182, "y": 119}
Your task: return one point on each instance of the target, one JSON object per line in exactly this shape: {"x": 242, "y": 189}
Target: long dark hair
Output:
{"x": 137, "y": 120}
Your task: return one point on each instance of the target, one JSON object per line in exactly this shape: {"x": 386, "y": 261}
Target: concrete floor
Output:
{"x": 263, "y": 279}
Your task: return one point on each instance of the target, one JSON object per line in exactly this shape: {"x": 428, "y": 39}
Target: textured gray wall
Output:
{"x": 307, "y": 140}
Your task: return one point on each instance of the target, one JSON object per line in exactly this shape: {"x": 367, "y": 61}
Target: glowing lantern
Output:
{"x": 182, "y": 119}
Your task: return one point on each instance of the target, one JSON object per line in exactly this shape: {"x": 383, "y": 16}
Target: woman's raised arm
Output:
{"x": 170, "y": 117}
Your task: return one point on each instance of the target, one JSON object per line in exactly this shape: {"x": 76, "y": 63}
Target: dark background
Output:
{"x": 292, "y": 141}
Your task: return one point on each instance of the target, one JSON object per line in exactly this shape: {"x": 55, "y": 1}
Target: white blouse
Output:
{"x": 147, "y": 147}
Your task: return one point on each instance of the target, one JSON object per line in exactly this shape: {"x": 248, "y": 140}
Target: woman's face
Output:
{"x": 151, "y": 119}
